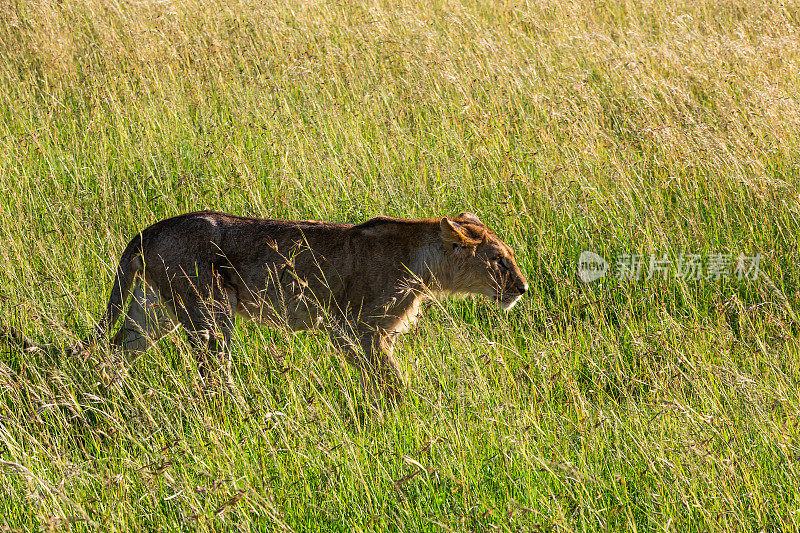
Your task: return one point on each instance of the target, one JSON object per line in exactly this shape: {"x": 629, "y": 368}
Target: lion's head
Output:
{"x": 480, "y": 263}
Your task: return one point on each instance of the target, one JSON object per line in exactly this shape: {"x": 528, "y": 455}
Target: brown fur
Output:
{"x": 364, "y": 284}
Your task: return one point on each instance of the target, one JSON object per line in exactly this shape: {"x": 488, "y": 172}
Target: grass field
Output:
{"x": 614, "y": 126}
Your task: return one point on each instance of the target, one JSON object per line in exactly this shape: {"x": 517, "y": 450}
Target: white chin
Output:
{"x": 506, "y": 306}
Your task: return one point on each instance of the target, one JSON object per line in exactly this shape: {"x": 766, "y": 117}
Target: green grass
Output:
{"x": 619, "y": 127}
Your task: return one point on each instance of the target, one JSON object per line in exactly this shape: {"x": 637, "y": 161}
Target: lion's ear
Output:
{"x": 472, "y": 217}
{"x": 452, "y": 233}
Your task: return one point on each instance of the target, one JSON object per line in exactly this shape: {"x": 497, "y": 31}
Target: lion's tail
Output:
{"x": 14, "y": 337}
{"x": 130, "y": 264}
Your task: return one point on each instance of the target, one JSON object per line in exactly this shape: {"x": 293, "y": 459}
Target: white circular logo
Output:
{"x": 591, "y": 267}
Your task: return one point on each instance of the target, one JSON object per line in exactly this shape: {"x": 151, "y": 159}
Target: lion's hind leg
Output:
{"x": 206, "y": 310}
{"x": 146, "y": 321}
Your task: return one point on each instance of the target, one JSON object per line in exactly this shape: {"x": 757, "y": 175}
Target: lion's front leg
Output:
{"x": 379, "y": 370}
{"x": 370, "y": 351}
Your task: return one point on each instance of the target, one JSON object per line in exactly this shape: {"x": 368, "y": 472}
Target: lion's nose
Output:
{"x": 522, "y": 288}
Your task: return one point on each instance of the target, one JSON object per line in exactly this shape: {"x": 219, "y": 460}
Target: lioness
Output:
{"x": 363, "y": 283}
